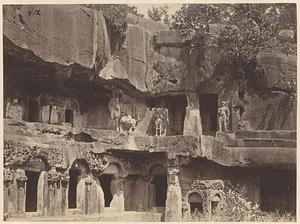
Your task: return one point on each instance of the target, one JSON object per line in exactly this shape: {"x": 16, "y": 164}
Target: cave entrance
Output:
{"x": 196, "y": 203}
{"x": 72, "y": 195}
{"x": 176, "y": 110}
{"x": 69, "y": 116}
{"x": 161, "y": 186}
{"x": 31, "y": 191}
{"x": 33, "y": 111}
{"x": 105, "y": 182}
{"x": 209, "y": 113}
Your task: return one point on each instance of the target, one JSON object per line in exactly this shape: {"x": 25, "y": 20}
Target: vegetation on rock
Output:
{"x": 245, "y": 30}
{"x": 160, "y": 14}
{"x": 115, "y": 16}
{"x": 237, "y": 209}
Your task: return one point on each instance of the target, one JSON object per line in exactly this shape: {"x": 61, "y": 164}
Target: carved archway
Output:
{"x": 191, "y": 207}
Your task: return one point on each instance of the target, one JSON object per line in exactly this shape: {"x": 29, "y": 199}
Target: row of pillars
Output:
{"x": 52, "y": 193}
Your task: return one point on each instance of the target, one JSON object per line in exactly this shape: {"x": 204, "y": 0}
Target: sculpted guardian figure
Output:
{"x": 223, "y": 117}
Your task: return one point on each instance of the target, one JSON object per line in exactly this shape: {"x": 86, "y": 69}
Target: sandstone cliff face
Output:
{"x": 154, "y": 59}
{"x": 64, "y": 34}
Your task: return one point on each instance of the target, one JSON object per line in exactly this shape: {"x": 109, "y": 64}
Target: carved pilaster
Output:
{"x": 53, "y": 180}
{"x": 21, "y": 188}
{"x": 88, "y": 193}
{"x": 64, "y": 178}
{"x": 173, "y": 212}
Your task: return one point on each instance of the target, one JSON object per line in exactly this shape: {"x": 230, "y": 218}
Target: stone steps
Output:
{"x": 263, "y": 142}
{"x": 278, "y": 134}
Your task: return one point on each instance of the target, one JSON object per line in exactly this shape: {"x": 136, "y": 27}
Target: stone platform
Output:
{"x": 109, "y": 217}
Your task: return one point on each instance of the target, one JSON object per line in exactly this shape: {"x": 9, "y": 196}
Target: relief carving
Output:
{"x": 97, "y": 162}
{"x": 17, "y": 153}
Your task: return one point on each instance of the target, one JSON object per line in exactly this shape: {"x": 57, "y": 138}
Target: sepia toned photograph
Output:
{"x": 149, "y": 113}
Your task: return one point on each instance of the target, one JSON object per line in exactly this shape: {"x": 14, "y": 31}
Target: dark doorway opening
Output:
{"x": 105, "y": 182}
{"x": 161, "y": 186}
{"x": 33, "y": 111}
{"x": 176, "y": 110}
{"x": 196, "y": 206}
{"x": 31, "y": 191}
{"x": 69, "y": 116}
{"x": 72, "y": 196}
{"x": 209, "y": 113}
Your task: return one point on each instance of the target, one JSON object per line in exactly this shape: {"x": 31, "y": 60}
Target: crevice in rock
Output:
{"x": 80, "y": 137}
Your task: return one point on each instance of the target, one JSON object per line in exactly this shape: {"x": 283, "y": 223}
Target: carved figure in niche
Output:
{"x": 115, "y": 111}
{"x": 158, "y": 125}
{"x": 223, "y": 117}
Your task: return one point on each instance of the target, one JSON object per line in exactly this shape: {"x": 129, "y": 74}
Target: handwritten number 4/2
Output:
{"x": 34, "y": 12}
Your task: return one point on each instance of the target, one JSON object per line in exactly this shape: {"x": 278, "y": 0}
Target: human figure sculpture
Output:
{"x": 223, "y": 117}
{"x": 158, "y": 125}
{"x": 115, "y": 111}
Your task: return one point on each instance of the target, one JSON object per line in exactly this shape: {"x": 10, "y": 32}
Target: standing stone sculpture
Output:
{"x": 115, "y": 112}
{"x": 158, "y": 125}
{"x": 223, "y": 117}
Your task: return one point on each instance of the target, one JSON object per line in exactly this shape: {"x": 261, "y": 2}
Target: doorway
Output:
{"x": 209, "y": 113}
{"x": 72, "y": 195}
{"x": 161, "y": 186}
{"x": 33, "y": 111}
{"x": 105, "y": 182}
{"x": 69, "y": 116}
{"x": 31, "y": 191}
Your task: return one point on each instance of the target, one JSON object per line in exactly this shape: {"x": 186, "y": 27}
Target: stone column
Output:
{"x": 64, "y": 191}
{"x": 88, "y": 194}
{"x": 117, "y": 203}
{"x": 21, "y": 190}
{"x": 53, "y": 192}
{"x": 192, "y": 120}
{"x": 8, "y": 180}
{"x": 235, "y": 111}
{"x": 173, "y": 212}
{"x": 42, "y": 193}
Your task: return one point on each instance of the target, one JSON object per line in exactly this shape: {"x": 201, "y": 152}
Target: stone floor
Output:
{"x": 130, "y": 216}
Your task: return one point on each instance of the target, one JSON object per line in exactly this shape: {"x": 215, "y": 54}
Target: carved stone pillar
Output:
{"x": 88, "y": 194}
{"x": 42, "y": 193}
{"x": 118, "y": 202}
{"x": 21, "y": 190}
{"x": 65, "y": 178}
{"x": 192, "y": 120}
{"x": 173, "y": 212}
{"x": 53, "y": 192}
{"x": 8, "y": 180}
